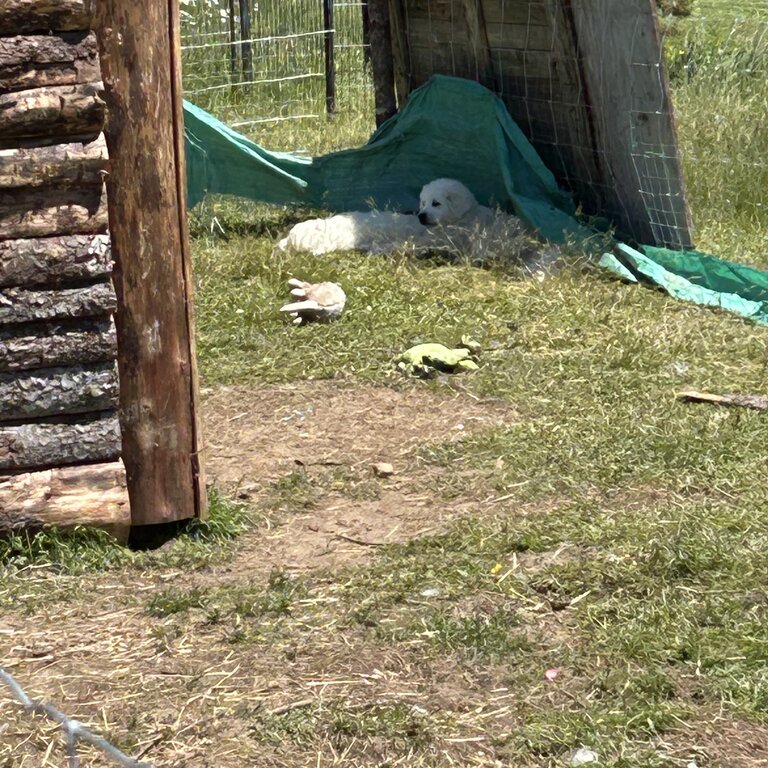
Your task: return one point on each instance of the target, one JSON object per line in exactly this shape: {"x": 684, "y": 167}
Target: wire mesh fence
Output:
{"x": 257, "y": 64}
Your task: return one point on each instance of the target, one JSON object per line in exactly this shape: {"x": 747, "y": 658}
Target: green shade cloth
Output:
{"x": 450, "y": 128}
{"x": 694, "y": 276}
{"x": 453, "y": 128}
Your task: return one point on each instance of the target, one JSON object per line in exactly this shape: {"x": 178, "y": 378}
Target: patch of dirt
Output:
{"x": 257, "y": 435}
{"x": 340, "y": 531}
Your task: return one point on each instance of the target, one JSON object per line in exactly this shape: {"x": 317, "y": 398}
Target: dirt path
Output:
{"x": 255, "y": 438}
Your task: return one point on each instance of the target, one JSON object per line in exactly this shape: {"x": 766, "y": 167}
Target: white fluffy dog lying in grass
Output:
{"x": 370, "y": 231}
{"x": 447, "y": 210}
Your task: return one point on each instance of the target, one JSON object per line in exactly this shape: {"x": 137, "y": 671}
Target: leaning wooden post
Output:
{"x": 140, "y": 55}
{"x": 381, "y": 60}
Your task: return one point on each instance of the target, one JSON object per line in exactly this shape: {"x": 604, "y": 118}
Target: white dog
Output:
{"x": 442, "y": 202}
{"x": 447, "y": 202}
{"x": 449, "y": 219}
{"x": 371, "y": 232}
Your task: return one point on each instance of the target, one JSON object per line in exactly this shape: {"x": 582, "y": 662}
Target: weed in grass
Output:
{"x": 49, "y": 566}
{"x": 396, "y": 728}
{"x": 200, "y": 542}
{"x": 226, "y": 520}
{"x": 398, "y": 723}
{"x": 295, "y": 492}
{"x": 620, "y": 736}
{"x": 275, "y": 600}
{"x": 481, "y": 637}
{"x": 172, "y": 600}
{"x": 296, "y": 726}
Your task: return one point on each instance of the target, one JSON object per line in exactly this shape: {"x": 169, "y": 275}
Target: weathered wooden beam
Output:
{"x": 35, "y": 61}
{"x": 41, "y": 212}
{"x": 18, "y": 16}
{"x": 54, "y": 260}
{"x": 401, "y": 53}
{"x": 93, "y": 495}
{"x": 633, "y": 120}
{"x": 75, "y": 163}
{"x": 58, "y": 391}
{"x": 27, "y": 347}
{"x": 28, "y": 446}
{"x": 477, "y": 38}
{"x": 19, "y": 305}
{"x": 158, "y": 384}
{"x": 382, "y": 66}
{"x": 60, "y": 111}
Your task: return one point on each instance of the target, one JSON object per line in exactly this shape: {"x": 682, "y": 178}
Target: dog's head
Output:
{"x": 445, "y": 201}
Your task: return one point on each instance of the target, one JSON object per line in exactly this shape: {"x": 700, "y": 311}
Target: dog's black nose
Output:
{"x": 423, "y": 218}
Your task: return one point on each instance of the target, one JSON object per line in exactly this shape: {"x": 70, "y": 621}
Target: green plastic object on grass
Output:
{"x": 427, "y": 360}
{"x": 453, "y": 128}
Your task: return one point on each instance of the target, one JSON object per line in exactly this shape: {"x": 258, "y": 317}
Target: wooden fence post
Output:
{"x": 330, "y": 66}
{"x": 246, "y": 52}
{"x": 140, "y": 56}
{"x": 382, "y": 60}
{"x": 232, "y": 40}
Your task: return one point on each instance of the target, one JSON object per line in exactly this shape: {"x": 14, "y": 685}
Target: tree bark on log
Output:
{"x": 54, "y": 260}
{"x": 62, "y": 165}
{"x": 36, "y": 61}
{"x": 145, "y": 136}
{"x": 27, "y": 347}
{"x": 18, "y": 305}
{"x": 66, "y": 110}
{"x": 18, "y": 16}
{"x": 36, "y": 445}
{"x": 58, "y": 391}
{"x": 56, "y": 211}
{"x": 94, "y": 495}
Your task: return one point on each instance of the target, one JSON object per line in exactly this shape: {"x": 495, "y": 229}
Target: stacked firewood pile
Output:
{"x": 59, "y": 432}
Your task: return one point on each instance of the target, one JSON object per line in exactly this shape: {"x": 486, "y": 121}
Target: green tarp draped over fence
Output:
{"x": 453, "y": 128}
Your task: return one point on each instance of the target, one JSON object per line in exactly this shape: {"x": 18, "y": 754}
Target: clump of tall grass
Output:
{"x": 718, "y": 71}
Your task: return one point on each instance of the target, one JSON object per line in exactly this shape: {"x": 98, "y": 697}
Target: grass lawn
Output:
{"x": 566, "y": 555}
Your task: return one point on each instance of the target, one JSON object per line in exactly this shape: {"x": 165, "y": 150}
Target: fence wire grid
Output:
{"x": 257, "y": 64}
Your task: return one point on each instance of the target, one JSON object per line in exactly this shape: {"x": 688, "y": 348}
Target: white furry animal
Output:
{"x": 441, "y": 202}
{"x": 448, "y": 202}
{"x": 449, "y": 219}
{"x": 371, "y": 231}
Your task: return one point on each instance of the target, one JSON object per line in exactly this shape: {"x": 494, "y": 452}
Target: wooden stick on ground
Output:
{"x": 756, "y": 402}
